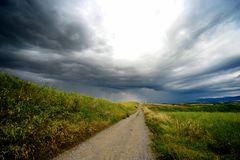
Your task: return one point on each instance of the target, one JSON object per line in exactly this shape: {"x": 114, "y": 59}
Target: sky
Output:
{"x": 130, "y": 50}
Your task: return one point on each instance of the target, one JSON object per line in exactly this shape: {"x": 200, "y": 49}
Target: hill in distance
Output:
{"x": 220, "y": 99}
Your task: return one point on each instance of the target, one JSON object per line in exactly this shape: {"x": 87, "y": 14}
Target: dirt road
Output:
{"x": 126, "y": 140}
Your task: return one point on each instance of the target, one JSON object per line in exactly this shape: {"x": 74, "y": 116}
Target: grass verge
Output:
{"x": 194, "y": 135}
{"x": 38, "y": 122}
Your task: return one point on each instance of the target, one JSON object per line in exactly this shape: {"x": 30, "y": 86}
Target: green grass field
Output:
{"x": 38, "y": 122}
{"x": 196, "y": 131}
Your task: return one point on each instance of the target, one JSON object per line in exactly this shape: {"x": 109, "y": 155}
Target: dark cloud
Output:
{"x": 27, "y": 23}
{"x": 39, "y": 40}
{"x": 229, "y": 63}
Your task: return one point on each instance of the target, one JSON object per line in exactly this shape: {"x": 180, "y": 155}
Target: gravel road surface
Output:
{"x": 126, "y": 140}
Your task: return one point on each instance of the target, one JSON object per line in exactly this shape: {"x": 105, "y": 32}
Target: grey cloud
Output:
{"x": 201, "y": 19}
{"x": 29, "y": 23}
{"x": 227, "y": 64}
{"x": 38, "y": 29}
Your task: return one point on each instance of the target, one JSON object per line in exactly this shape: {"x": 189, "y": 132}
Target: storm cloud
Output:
{"x": 66, "y": 44}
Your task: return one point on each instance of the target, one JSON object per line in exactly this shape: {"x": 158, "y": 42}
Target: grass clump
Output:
{"x": 38, "y": 122}
{"x": 194, "y": 135}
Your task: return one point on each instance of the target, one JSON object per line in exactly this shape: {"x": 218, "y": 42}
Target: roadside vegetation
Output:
{"x": 218, "y": 107}
{"x": 38, "y": 122}
{"x": 194, "y": 131}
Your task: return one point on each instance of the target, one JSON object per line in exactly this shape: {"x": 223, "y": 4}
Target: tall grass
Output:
{"x": 38, "y": 122}
{"x": 194, "y": 135}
